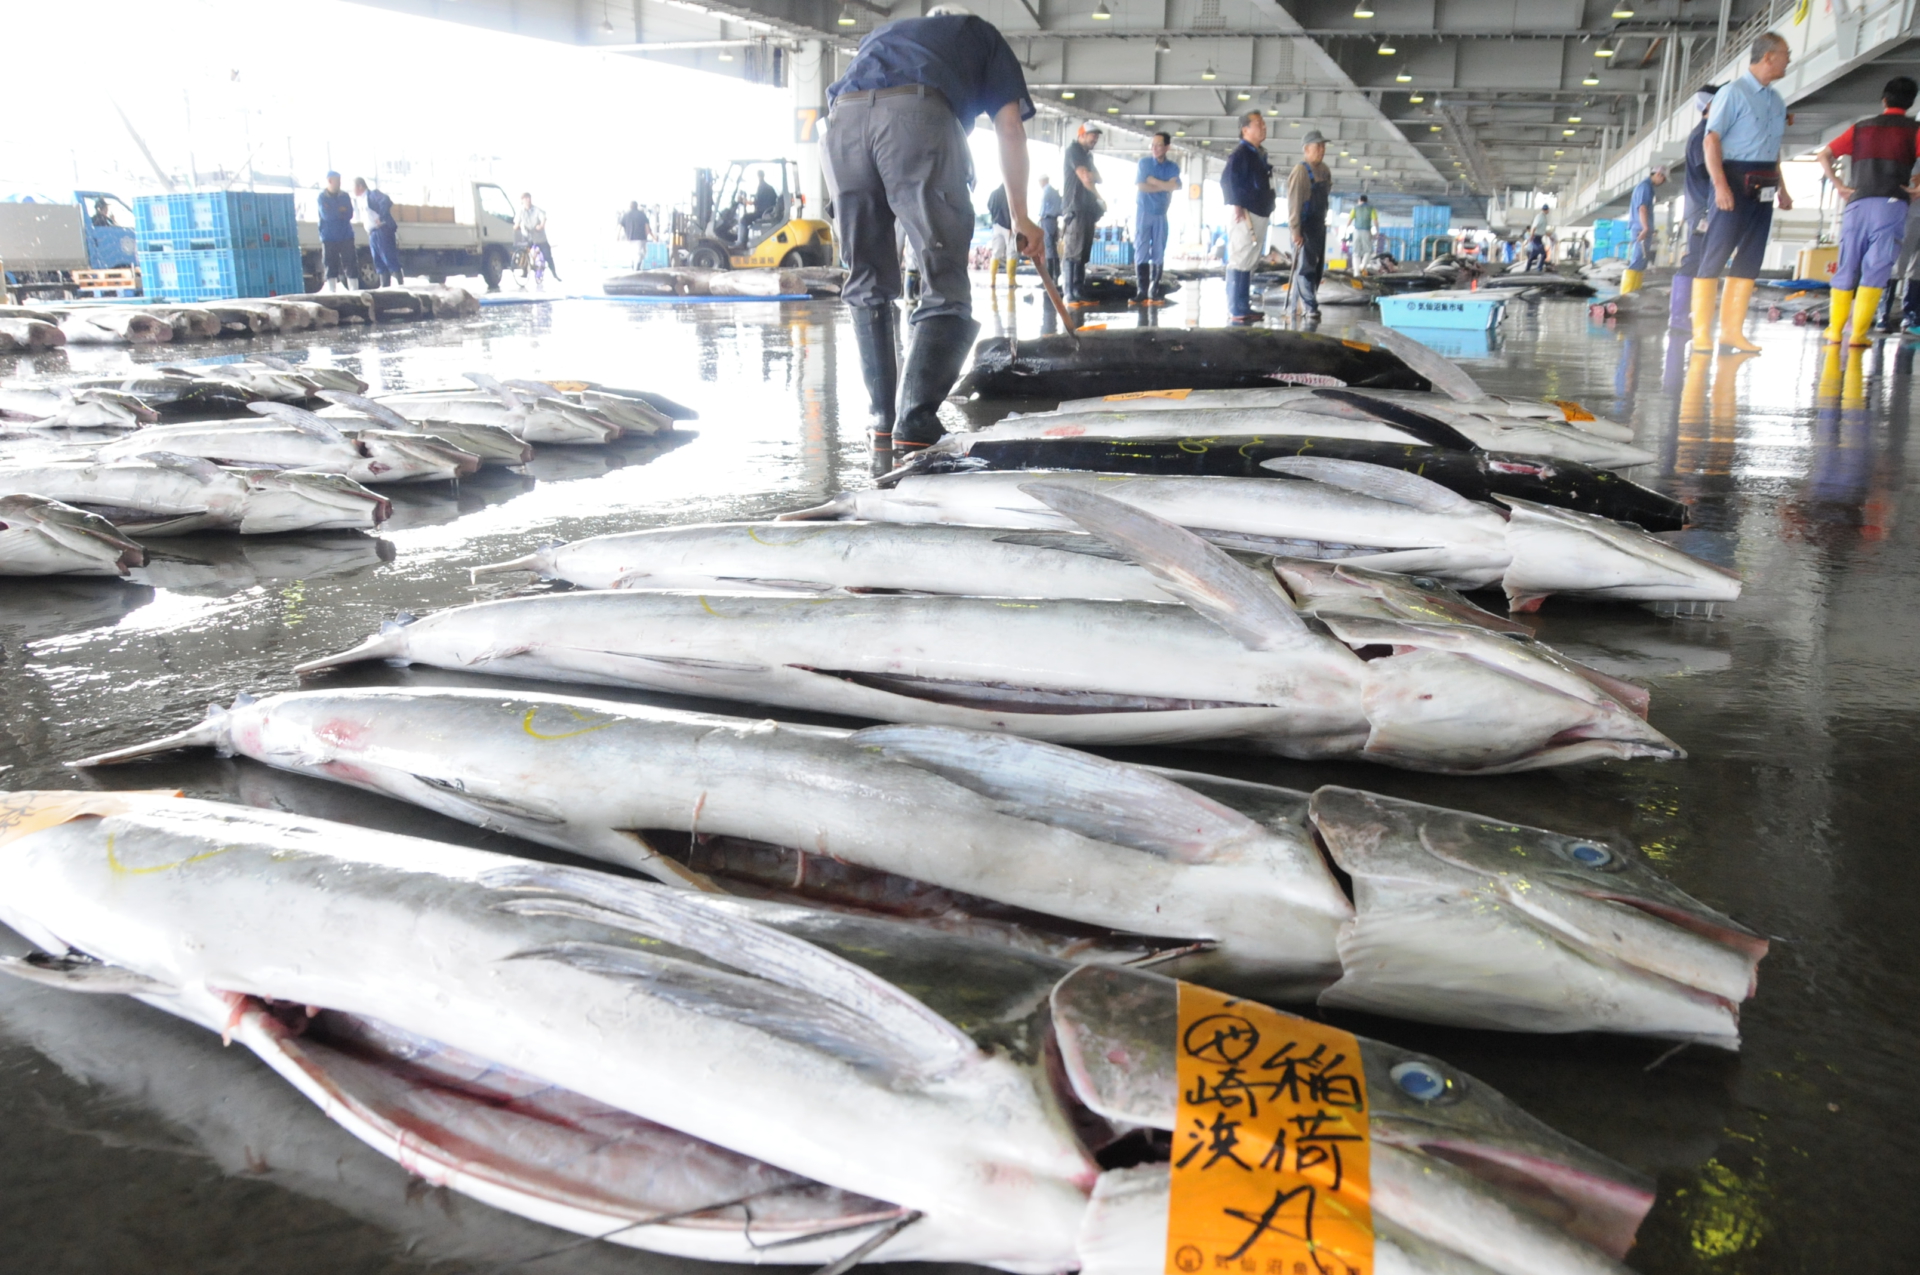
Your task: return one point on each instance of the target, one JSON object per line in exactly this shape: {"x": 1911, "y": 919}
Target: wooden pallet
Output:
{"x": 95, "y": 282}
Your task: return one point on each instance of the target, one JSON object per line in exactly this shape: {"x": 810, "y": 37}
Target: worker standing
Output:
{"x": 1003, "y": 246}
{"x": 1246, "y": 188}
{"x": 1308, "y": 189}
{"x": 896, "y": 147}
{"x": 1697, "y": 201}
{"x": 1745, "y": 126}
{"x": 383, "y": 232}
{"x": 636, "y": 230}
{"x": 1156, "y": 178}
{"x": 1537, "y": 241}
{"x": 531, "y": 228}
{"x": 1050, "y": 225}
{"x": 1360, "y": 224}
{"x": 1881, "y": 153}
{"x": 1640, "y": 229}
{"x": 1084, "y": 209}
{"x": 337, "y": 253}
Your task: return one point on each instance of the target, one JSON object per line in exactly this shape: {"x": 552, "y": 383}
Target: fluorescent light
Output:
{"x": 1113, "y": 110}
{"x": 1416, "y": 98}
{"x": 1150, "y": 123}
{"x": 1623, "y": 10}
{"x": 1209, "y": 73}
{"x": 1591, "y": 79}
{"x": 1161, "y": 45}
{"x": 1604, "y": 51}
{"x": 1566, "y": 132}
{"x": 725, "y": 56}
{"x": 1403, "y": 78}
{"x": 1246, "y": 97}
{"x": 846, "y": 18}
{"x": 1363, "y": 10}
{"x": 1386, "y": 49}
{"x": 1433, "y": 128}
{"x": 1101, "y": 13}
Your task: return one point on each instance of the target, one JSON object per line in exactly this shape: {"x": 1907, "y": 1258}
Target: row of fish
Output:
{"x": 158, "y": 322}
{"x": 709, "y": 1076}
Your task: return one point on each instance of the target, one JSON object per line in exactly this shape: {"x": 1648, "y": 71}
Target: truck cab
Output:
{"x": 474, "y": 237}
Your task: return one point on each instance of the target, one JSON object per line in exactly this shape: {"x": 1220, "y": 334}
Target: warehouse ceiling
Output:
{"x": 1464, "y": 97}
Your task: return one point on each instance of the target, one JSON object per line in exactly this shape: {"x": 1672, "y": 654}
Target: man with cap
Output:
{"x": 1156, "y": 178}
{"x": 1745, "y": 126}
{"x": 1084, "y": 209}
{"x": 338, "y": 257}
{"x": 1881, "y": 153}
{"x": 1050, "y": 210}
{"x": 1640, "y": 229}
{"x": 1696, "y": 202}
{"x": 1308, "y": 188}
{"x": 1246, "y": 188}
{"x": 895, "y": 149}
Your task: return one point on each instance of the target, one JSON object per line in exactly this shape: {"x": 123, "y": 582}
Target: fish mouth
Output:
{"x": 1741, "y": 940}
{"x": 1603, "y": 1211}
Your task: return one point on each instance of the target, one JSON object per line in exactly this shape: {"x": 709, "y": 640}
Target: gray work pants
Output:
{"x": 900, "y": 159}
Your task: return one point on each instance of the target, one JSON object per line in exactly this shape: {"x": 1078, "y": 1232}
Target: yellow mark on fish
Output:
{"x": 1122, "y": 398}
{"x": 120, "y": 869}
{"x": 1355, "y": 345}
{"x": 526, "y": 724}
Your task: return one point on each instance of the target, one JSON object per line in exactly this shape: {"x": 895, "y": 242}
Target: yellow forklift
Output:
{"x": 712, "y": 237}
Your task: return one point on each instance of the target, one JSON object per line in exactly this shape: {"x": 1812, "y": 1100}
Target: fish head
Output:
{"x": 1564, "y": 551}
{"x": 398, "y": 457}
{"x": 74, "y": 530}
{"x": 298, "y": 500}
{"x": 109, "y": 409}
{"x": 557, "y": 420}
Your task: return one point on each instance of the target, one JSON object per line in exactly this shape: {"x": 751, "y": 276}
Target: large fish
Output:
{"x": 42, "y": 537}
{"x": 49, "y": 406}
{"x": 190, "y": 322}
{"x": 1120, "y": 361}
{"x": 158, "y": 494}
{"x": 241, "y": 320}
{"x": 625, "y": 409}
{"x": 114, "y": 325}
{"x": 175, "y": 394}
{"x": 18, "y": 333}
{"x": 591, "y": 393}
{"x": 1462, "y": 919}
{"x": 490, "y": 1020}
{"x": 1238, "y": 663}
{"x": 533, "y": 419}
{"x": 1384, "y": 519}
{"x": 492, "y": 444}
{"x": 1474, "y": 474}
{"x": 300, "y": 440}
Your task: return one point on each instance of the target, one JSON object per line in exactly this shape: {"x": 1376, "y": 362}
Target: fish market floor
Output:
{"x": 135, "y": 1143}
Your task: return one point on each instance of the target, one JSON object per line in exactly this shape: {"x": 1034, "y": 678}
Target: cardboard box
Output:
{"x": 1817, "y": 262}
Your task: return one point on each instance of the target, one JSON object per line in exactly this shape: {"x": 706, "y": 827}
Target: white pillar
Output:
{"x": 812, "y": 71}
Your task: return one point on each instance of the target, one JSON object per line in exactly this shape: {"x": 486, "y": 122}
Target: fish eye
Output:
{"x": 1589, "y": 855}
{"x": 1419, "y": 1080}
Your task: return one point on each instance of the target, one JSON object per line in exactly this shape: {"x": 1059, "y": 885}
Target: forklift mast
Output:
{"x": 703, "y": 197}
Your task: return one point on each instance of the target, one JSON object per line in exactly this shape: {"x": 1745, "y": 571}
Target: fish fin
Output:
{"x": 631, "y": 849}
{"x": 714, "y": 930}
{"x": 542, "y": 814}
{"x": 378, "y": 412}
{"x": 1118, "y": 1032}
{"x": 494, "y": 387}
{"x": 791, "y": 1014}
{"x": 198, "y": 466}
{"x": 535, "y": 389}
{"x": 299, "y": 418}
{"x": 679, "y": 663}
{"x": 1204, "y": 576}
{"x": 841, "y": 506}
{"x": 1065, "y": 542}
{"x": 268, "y": 360}
{"x": 209, "y": 733}
{"x": 1105, "y": 800}
{"x": 1428, "y": 429}
{"x": 76, "y": 972}
{"x": 1447, "y": 376}
{"x": 1378, "y": 481}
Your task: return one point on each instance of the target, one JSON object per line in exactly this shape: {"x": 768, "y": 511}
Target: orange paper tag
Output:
{"x": 22, "y": 813}
{"x": 1121, "y": 398}
{"x": 1355, "y": 345}
{"x": 570, "y": 387}
{"x": 1572, "y": 411}
{"x": 1270, "y": 1150}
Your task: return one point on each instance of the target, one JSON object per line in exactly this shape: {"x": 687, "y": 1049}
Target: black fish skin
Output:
{"x": 1475, "y": 474}
{"x": 1091, "y": 364}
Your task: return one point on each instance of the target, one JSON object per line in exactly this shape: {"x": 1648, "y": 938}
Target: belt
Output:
{"x": 865, "y": 97}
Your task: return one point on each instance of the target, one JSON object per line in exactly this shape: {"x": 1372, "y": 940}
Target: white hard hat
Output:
{"x": 1092, "y": 126}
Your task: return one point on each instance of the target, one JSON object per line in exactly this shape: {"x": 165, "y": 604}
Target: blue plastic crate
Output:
{"x": 204, "y": 220}
{"x": 221, "y": 274}
{"x": 1469, "y": 311}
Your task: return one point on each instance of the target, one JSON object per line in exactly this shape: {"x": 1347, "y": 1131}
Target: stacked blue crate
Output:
{"x": 1429, "y": 221}
{"x": 1112, "y": 247}
{"x": 213, "y": 245}
{"x": 1609, "y": 238}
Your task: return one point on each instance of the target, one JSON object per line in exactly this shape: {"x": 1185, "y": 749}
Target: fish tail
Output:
{"x": 530, "y": 562}
{"x": 841, "y": 506}
{"x": 214, "y": 732}
{"x": 388, "y": 644}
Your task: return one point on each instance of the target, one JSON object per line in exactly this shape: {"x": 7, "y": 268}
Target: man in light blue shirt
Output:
{"x": 1156, "y": 178}
{"x": 1640, "y": 229}
{"x": 1745, "y": 126}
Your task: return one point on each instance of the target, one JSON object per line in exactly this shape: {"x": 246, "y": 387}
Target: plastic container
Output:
{"x": 1456, "y": 310}
{"x": 221, "y": 274}
{"x": 205, "y": 220}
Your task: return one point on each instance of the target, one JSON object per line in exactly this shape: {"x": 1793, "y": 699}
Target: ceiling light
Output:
{"x": 1206, "y": 141}
{"x": 1604, "y": 51}
{"x": 1209, "y": 73}
{"x": 1433, "y": 128}
{"x": 1591, "y": 79}
{"x": 846, "y": 18}
{"x": 726, "y": 56}
{"x": 1100, "y": 12}
{"x": 1067, "y": 95}
{"x": 1246, "y": 97}
{"x": 1403, "y": 77}
{"x": 1150, "y": 123}
{"x": 1573, "y": 119}
{"x": 1558, "y": 154}
{"x": 1416, "y": 98}
{"x": 1363, "y": 10}
{"x": 1566, "y": 132}
{"x": 1623, "y": 10}
{"x": 1113, "y": 110}
{"x": 1386, "y": 49}
{"x": 1161, "y": 45}
{"x": 606, "y": 26}
{"x": 1179, "y": 132}
{"x": 1343, "y": 154}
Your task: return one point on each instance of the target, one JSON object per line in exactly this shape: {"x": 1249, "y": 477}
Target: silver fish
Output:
{"x": 492, "y": 444}
{"x": 41, "y": 537}
{"x": 301, "y": 440}
{"x": 536, "y": 420}
{"x": 115, "y": 325}
{"x": 51, "y": 406}
{"x": 162, "y": 494}
{"x": 18, "y": 333}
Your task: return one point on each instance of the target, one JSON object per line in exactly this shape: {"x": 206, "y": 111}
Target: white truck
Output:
{"x": 435, "y": 240}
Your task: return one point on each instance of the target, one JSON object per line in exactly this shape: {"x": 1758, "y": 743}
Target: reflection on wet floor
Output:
{"x": 136, "y": 1143}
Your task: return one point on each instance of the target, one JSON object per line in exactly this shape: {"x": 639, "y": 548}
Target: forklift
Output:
{"x": 711, "y": 237}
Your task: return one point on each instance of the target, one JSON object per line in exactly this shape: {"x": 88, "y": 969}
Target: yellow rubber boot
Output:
{"x": 1853, "y": 386}
{"x": 1630, "y": 281}
{"x": 993, "y": 273}
{"x": 1734, "y": 296}
{"x": 1841, "y": 302}
{"x": 1866, "y": 308}
{"x": 1830, "y": 369}
{"x": 1705, "y": 293}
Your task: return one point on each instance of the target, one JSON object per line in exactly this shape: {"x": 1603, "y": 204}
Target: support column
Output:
{"x": 812, "y": 70}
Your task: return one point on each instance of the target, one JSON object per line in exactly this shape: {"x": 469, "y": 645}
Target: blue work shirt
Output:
{"x": 1050, "y": 205}
{"x": 1154, "y": 203}
{"x": 336, "y": 216}
{"x": 1699, "y": 180}
{"x": 1750, "y": 118}
{"x": 1247, "y": 180}
{"x": 966, "y": 58}
{"x": 1642, "y": 197}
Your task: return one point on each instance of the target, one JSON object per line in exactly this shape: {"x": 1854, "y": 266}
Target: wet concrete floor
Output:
{"x": 130, "y": 1142}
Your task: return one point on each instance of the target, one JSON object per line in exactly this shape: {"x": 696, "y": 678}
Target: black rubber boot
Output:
{"x": 1070, "y": 285}
{"x": 941, "y": 343}
{"x": 1910, "y": 304}
{"x": 879, "y": 366}
{"x": 1143, "y": 283}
